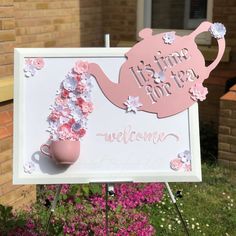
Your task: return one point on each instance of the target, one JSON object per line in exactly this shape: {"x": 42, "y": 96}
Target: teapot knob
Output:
{"x": 145, "y": 33}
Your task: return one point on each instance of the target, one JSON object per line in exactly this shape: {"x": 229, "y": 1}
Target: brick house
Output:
{"x": 82, "y": 23}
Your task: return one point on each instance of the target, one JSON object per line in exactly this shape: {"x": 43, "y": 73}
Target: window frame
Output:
{"x": 144, "y": 8}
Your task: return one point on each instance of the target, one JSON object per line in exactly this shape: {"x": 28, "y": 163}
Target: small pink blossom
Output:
{"x": 187, "y": 167}
{"x": 198, "y": 92}
{"x": 81, "y": 67}
{"x": 176, "y": 164}
{"x": 38, "y": 63}
{"x": 54, "y": 116}
{"x": 28, "y": 61}
{"x": 65, "y": 93}
{"x": 61, "y": 101}
{"x": 87, "y": 107}
{"x": 81, "y": 88}
{"x": 65, "y": 128}
{"x": 81, "y": 132}
{"x": 80, "y": 102}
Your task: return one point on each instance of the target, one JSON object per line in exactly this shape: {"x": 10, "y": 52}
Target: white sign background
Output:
{"x": 99, "y": 160}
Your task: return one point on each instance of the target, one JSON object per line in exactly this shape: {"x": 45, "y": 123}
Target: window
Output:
{"x": 181, "y": 16}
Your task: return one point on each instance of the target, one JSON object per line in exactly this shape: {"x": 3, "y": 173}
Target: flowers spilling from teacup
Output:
{"x": 69, "y": 115}
{"x": 32, "y": 65}
{"x": 182, "y": 162}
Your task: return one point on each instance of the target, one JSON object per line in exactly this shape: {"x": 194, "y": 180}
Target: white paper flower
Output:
{"x": 185, "y": 156}
{"x": 133, "y": 104}
{"x": 169, "y": 37}
{"x": 29, "y": 167}
{"x": 159, "y": 77}
{"x": 70, "y": 83}
{"x": 217, "y": 30}
{"x": 29, "y": 70}
{"x": 76, "y": 114}
{"x": 72, "y": 96}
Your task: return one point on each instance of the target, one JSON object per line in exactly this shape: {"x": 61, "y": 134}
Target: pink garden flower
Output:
{"x": 81, "y": 67}
{"x": 38, "y": 63}
{"x": 198, "y": 92}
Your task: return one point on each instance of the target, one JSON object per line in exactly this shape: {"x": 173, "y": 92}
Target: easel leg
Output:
{"x": 176, "y": 207}
{"x": 54, "y": 203}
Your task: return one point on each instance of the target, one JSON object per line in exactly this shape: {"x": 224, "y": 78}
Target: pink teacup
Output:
{"x": 63, "y": 152}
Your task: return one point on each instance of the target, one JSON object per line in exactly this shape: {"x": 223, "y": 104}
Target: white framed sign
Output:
{"x": 55, "y": 98}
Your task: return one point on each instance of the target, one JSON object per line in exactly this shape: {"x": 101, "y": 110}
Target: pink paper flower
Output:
{"x": 81, "y": 132}
{"x": 28, "y": 61}
{"x": 198, "y": 92}
{"x": 176, "y": 164}
{"x": 61, "y": 101}
{"x": 38, "y": 63}
{"x": 87, "y": 107}
{"x": 54, "y": 116}
{"x": 64, "y": 93}
{"x": 81, "y": 67}
{"x": 80, "y": 102}
{"x": 187, "y": 167}
{"x": 81, "y": 88}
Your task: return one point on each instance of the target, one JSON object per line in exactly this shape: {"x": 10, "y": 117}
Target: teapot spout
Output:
{"x": 110, "y": 89}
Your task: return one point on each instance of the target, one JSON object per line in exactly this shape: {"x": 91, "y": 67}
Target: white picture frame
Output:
{"x": 28, "y": 111}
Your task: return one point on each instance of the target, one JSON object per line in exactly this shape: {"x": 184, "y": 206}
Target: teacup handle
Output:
{"x": 43, "y": 151}
{"x": 203, "y": 27}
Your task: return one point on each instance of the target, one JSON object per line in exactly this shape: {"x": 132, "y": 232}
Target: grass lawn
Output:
{"x": 209, "y": 207}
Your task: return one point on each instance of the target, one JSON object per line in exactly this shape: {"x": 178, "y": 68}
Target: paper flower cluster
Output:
{"x": 182, "y": 162}
{"x": 217, "y": 30}
{"x": 32, "y": 65}
{"x": 69, "y": 115}
{"x": 169, "y": 37}
{"x": 198, "y": 92}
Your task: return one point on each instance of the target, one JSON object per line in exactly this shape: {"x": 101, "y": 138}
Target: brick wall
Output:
{"x": 216, "y": 84}
{"x": 26, "y": 23}
{"x": 16, "y": 195}
{"x": 227, "y": 129}
{"x": 57, "y": 23}
{"x": 225, "y": 12}
{"x": 7, "y": 37}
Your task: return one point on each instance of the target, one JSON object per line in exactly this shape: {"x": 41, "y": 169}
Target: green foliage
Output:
{"x": 8, "y": 220}
{"x": 208, "y": 207}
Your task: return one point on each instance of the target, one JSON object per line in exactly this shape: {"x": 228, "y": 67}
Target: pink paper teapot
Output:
{"x": 164, "y": 72}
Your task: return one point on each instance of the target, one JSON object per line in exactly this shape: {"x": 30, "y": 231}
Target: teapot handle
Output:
{"x": 203, "y": 27}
